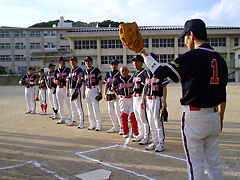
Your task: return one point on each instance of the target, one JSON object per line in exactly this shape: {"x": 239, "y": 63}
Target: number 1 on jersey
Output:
{"x": 214, "y": 79}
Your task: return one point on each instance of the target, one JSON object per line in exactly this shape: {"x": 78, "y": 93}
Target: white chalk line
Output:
{"x": 38, "y": 165}
{"x": 115, "y": 167}
{"x": 98, "y": 149}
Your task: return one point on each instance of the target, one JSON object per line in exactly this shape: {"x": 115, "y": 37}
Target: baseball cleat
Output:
{"x": 69, "y": 121}
{"x": 33, "y": 112}
{"x": 136, "y": 139}
{"x": 135, "y": 135}
{"x": 51, "y": 116}
{"x": 144, "y": 141}
{"x": 81, "y": 125}
{"x": 43, "y": 113}
{"x": 151, "y": 147}
{"x": 91, "y": 128}
{"x": 159, "y": 148}
{"x": 113, "y": 130}
{"x": 121, "y": 131}
{"x": 61, "y": 121}
{"x": 55, "y": 116}
{"x": 28, "y": 112}
{"x": 72, "y": 123}
{"x": 125, "y": 135}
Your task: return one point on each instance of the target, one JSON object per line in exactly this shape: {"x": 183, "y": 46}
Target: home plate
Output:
{"x": 96, "y": 174}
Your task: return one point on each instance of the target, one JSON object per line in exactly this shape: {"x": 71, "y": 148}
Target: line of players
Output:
{"x": 140, "y": 97}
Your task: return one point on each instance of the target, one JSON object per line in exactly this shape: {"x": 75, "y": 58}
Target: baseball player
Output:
{"x": 123, "y": 89}
{"x": 51, "y": 90}
{"x": 92, "y": 85}
{"x": 30, "y": 82}
{"x": 42, "y": 92}
{"x": 203, "y": 74}
{"x": 60, "y": 77}
{"x": 154, "y": 96}
{"x": 113, "y": 103}
{"x": 74, "y": 84}
{"x": 138, "y": 82}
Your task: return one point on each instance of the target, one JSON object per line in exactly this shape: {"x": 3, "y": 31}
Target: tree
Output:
{"x": 2, "y": 70}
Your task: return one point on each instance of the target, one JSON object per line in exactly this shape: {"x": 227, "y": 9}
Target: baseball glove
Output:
{"x": 22, "y": 82}
{"x": 164, "y": 115}
{"x": 131, "y": 37}
{"x": 98, "y": 97}
{"x": 74, "y": 95}
{"x": 111, "y": 96}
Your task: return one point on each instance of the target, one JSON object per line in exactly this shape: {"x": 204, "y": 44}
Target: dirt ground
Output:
{"x": 35, "y": 147}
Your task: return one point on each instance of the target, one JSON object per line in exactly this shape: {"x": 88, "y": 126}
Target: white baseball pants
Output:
{"x": 76, "y": 106}
{"x": 126, "y": 105}
{"x": 30, "y": 98}
{"x": 156, "y": 126}
{"x": 114, "y": 112}
{"x": 52, "y": 99}
{"x": 42, "y": 97}
{"x": 140, "y": 114}
{"x": 61, "y": 97}
{"x": 200, "y": 131}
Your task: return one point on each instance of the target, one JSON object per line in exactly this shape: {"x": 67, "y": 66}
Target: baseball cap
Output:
{"x": 153, "y": 55}
{"x": 88, "y": 58}
{"x": 193, "y": 25}
{"x": 51, "y": 65}
{"x": 138, "y": 57}
{"x": 41, "y": 70}
{"x": 31, "y": 68}
{"x": 114, "y": 61}
{"x": 73, "y": 58}
{"x": 61, "y": 59}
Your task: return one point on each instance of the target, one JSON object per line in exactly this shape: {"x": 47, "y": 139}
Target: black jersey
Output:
{"x": 42, "y": 82}
{"x": 138, "y": 81}
{"x": 91, "y": 76}
{"x": 61, "y": 75}
{"x": 153, "y": 85}
{"x": 110, "y": 77}
{"x": 30, "y": 78}
{"x": 73, "y": 76}
{"x": 124, "y": 85}
{"x": 203, "y": 74}
{"x": 50, "y": 79}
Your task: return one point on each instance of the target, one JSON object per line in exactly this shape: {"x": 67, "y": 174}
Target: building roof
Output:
{"x": 89, "y": 29}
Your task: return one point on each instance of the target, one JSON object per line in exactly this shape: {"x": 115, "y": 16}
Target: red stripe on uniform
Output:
{"x": 185, "y": 145}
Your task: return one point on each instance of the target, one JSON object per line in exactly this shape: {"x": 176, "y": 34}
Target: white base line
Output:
{"x": 10, "y": 167}
{"x": 115, "y": 167}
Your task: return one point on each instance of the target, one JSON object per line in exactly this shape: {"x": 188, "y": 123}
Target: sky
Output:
{"x": 24, "y": 13}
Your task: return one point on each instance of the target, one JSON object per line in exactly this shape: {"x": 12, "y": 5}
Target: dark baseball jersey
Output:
{"x": 110, "y": 77}
{"x": 73, "y": 77}
{"x": 61, "y": 75}
{"x": 91, "y": 76}
{"x": 124, "y": 86}
{"x": 50, "y": 79}
{"x": 153, "y": 85}
{"x": 203, "y": 74}
{"x": 42, "y": 82}
{"x": 30, "y": 78}
{"x": 138, "y": 81}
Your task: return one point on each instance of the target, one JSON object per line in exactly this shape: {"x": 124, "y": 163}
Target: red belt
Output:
{"x": 192, "y": 108}
{"x": 151, "y": 97}
{"x": 90, "y": 87}
{"x": 137, "y": 95}
{"x": 42, "y": 88}
{"x": 126, "y": 97}
{"x": 29, "y": 86}
{"x": 50, "y": 87}
{"x": 61, "y": 86}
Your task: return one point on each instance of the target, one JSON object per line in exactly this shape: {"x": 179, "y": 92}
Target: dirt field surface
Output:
{"x": 35, "y": 147}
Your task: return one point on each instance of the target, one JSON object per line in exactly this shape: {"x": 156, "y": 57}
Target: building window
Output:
{"x": 107, "y": 59}
{"x": 5, "y": 58}
{"x": 181, "y": 42}
{"x": 162, "y": 43}
{"x": 85, "y": 44}
{"x": 50, "y": 45}
{"x": 62, "y": 38}
{"x": 217, "y": 42}
{"x": 65, "y": 48}
{"x": 22, "y": 70}
{"x": 165, "y": 58}
{"x": 5, "y": 34}
{"x": 20, "y": 57}
{"x": 35, "y": 34}
{"x": 35, "y": 45}
{"x": 20, "y": 46}
{"x": 50, "y": 33}
{"x": 111, "y": 44}
{"x": 129, "y": 59}
{"x": 34, "y": 59}
{"x": 145, "y": 43}
{"x": 19, "y": 34}
{"x": 236, "y": 42}
{"x": 239, "y": 56}
{"x": 5, "y": 46}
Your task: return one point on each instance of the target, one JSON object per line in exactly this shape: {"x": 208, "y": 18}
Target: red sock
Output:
{"x": 134, "y": 124}
{"x": 124, "y": 118}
